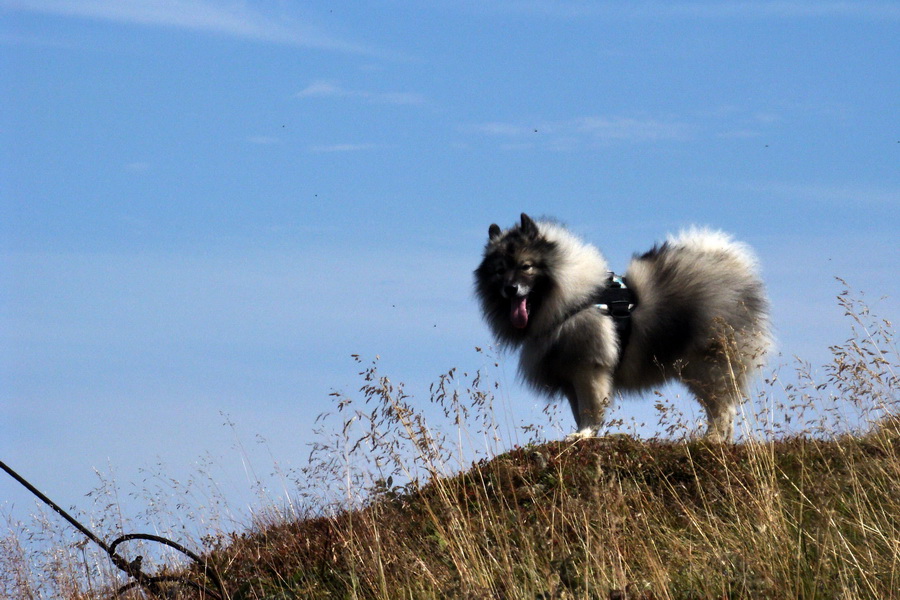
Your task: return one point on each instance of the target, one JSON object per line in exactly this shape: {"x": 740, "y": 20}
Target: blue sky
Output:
{"x": 207, "y": 206}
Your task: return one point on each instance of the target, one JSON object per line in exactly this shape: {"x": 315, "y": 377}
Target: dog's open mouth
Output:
{"x": 519, "y": 313}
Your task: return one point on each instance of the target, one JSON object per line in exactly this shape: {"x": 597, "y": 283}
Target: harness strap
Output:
{"x": 617, "y": 300}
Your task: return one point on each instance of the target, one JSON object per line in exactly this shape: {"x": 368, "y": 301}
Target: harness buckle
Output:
{"x": 618, "y": 309}
{"x": 618, "y": 300}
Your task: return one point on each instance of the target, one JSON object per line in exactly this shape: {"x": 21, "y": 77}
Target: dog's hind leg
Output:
{"x": 589, "y": 396}
{"x": 721, "y": 411}
{"x": 720, "y": 379}
{"x": 720, "y": 398}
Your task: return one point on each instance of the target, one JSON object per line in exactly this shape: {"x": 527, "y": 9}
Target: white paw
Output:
{"x": 582, "y": 434}
{"x": 718, "y": 437}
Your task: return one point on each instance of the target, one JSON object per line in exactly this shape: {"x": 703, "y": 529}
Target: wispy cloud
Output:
{"x": 776, "y": 9}
{"x": 740, "y": 134}
{"x": 779, "y": 10}
{"x": 33, "y": 40}
{"x": 342, "y": 148}
{"x": 328, "y": 89}
{"x": 138, "y": 167}
{"x": 628, "y": 129}
{"x": 846, "y": 195}
{"x": 222, "y": 17}
{"x": 735, "y": 122}
{"x": 581, "y": 132}
{"x": 263, "y": 140}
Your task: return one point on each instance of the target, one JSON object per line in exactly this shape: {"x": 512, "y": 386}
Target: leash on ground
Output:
{"x": 133, "y": 568}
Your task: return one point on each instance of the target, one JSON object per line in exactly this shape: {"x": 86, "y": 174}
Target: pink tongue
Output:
{"x": 519, "y": 315}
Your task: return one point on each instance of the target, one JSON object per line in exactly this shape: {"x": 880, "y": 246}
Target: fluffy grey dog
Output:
{"x": 692, "y": 309}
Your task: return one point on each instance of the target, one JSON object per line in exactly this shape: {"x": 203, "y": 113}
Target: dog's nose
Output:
{"x": 511, "y": 291}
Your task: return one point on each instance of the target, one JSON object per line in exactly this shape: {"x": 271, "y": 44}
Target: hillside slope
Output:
{"x": 608, "y": 518}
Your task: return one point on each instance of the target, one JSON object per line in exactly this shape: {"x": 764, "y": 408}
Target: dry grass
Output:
{"x": 421, "y": 500}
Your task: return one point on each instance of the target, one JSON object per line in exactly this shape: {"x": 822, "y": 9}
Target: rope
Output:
{"x": 133, "y": 568}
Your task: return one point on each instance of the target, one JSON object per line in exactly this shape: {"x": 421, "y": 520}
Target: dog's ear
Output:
{"x": 494, "y": 231}
{"x": 528, "y": 226}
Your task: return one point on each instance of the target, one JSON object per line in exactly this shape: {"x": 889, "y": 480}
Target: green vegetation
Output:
{"x": 397, "y": 507}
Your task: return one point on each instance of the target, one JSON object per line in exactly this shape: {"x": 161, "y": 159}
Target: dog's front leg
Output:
{"x": 589, "y": 397}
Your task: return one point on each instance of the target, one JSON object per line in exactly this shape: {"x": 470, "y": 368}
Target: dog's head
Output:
{"x": 513, "y": 277}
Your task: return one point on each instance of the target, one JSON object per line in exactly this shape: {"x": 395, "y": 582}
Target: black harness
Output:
{"x": 617, "y": 300}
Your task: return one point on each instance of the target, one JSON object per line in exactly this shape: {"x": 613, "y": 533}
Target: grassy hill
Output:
{"x": 608, "y": 518}
{"x": 399, "y": 507}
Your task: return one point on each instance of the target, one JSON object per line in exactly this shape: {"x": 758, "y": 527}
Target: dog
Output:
{"x": 692, "y": 309}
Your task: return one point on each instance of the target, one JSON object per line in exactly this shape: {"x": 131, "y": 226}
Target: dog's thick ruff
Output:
{"x": 701, "y": 318}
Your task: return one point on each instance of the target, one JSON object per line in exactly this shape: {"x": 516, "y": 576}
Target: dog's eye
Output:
{"x": 527, "y": 267}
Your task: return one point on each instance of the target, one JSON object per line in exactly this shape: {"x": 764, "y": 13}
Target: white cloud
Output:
{"x": 229, "y": 18}
{"x": 848, "y": 194}
{"x": 327, "y": 89}
{"x": 724, "y": 122}
{"x": 624, "y": 128}
{"x": 501, "y": 129}
{"x": 37, "y": 41}
{"x": 777, "y": 9}
{"x": 263, "y": 140}
{"x": 343, "y": 148}
{"x": 740, "y": 134}
{"x": 780, "y": 9}
{"x": 138, "y": 167}
{"x": 582, "y": 132}
{"x": 321, "y": 89}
